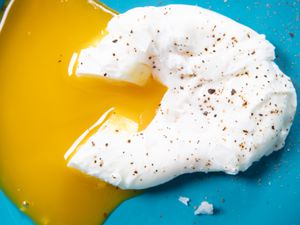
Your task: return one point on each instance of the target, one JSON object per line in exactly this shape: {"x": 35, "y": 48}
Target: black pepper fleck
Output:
{"x": 211, "y": 91}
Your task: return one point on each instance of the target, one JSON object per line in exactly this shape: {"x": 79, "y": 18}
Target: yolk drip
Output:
{"x": 44, "y": 110}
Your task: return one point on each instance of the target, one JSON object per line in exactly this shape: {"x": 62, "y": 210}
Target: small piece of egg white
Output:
{"x": 184, "y": 200}
{"x": 205, "y": 208}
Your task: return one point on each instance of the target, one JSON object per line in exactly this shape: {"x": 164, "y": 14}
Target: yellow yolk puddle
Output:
{"x": 44, "y": 110}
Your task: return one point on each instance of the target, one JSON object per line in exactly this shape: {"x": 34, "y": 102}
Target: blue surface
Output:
{"x": 1, "y": 2}
{"x": 269, "y": 192}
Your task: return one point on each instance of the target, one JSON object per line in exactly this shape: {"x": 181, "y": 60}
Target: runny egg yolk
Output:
{"x": 43, "y": 110}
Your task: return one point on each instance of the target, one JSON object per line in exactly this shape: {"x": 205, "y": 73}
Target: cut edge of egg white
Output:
{"x": 227, "y": 104}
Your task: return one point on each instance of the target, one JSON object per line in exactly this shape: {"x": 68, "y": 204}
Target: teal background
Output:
{"x": 269, "y": 192}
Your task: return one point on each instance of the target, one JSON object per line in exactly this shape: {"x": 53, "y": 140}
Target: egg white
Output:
{"x": 227, "y": 103}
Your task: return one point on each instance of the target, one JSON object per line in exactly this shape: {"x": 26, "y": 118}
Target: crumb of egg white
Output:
{"x": 184, "y": 200}
{"x": 205, "y": 208}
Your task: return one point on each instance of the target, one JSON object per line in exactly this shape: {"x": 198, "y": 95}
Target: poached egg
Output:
{"x": 227, "y": 104}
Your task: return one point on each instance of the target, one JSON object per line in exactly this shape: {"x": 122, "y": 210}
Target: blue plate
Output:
{"x": 269, "y": 192}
